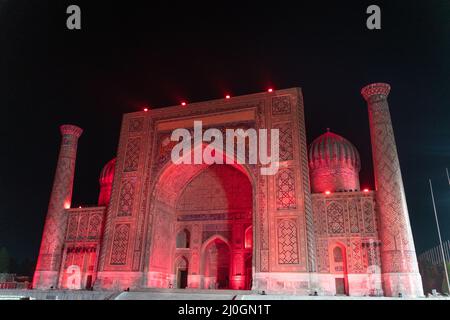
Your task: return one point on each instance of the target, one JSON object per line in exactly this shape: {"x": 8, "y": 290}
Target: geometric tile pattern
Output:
{"x": 83, "y": 226}
{"x": 353, "y": 213}
{"x": 95, "y": 225}
{"x": 120, "y": 244}
{"x": 126, "y": 198}
{"x": 136, "y": 124}
{"x": 221, "y": 187}
{"x": 132, "y": 154}
{"x": 72, "y": 227}
{"x": 340, "y": 218}
{"x": 369, "y": 225}
{"x": 397, "y": 250}
{"x": 286, "y": 197}
{"x": 287, "y": 242}
{"x": 286, "y": 147}
{"x": 335, "y": 218}
{"x": 323, "y": 261}
{"x": 281, "y": 105}
{"x": 356, "y": 265}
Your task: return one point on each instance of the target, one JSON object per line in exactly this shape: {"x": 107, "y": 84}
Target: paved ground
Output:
{"x": 292, "y": 297}
{"x": 238, "y": 295}
{"x": 172, "y": 294}
{"x": 182, "y": 294}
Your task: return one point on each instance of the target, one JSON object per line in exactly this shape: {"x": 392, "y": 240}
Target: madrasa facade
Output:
{"x": 307, "y": 229}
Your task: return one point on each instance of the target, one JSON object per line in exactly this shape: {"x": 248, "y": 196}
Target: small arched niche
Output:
{"x": 183, "y": 239}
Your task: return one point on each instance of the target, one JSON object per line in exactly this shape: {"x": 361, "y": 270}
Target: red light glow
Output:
{"x": 327, "y": 192}
{"x": 227, "y": 96}
{"x": 145, "y": 109}
{"x": 270, "y": 90}
{"x": 366, "y": 190}
{"x": 183, "y": 103}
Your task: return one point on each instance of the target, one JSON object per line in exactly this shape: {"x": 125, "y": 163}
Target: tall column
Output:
{"x": 398, "y": 255}
{"x": 49, "y": 260}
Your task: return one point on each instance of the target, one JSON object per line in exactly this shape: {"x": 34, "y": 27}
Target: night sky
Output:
{"x": 136, "y": 54}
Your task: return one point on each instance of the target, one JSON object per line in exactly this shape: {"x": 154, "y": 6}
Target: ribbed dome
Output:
{"x": 332, "y": 149}
{"x": 334, "y": 164}
{"x": 107, "y": 174}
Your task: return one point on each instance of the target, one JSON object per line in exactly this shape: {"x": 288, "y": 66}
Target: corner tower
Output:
{"x": 49, "y": 260}
{"x": 398, "y": 255}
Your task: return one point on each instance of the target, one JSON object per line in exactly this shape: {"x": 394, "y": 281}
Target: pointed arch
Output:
{"x": 183, "y": 239}
{"x": 338, "y": 263}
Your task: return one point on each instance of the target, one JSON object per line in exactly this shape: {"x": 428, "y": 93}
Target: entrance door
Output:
{"x": 182, "y": 278}
{"x": 339, "y": 268}
{"x": 216, "y": 265}
{"x": 248, "y": 272}
{"x": 89, "y": 282}
{"x": 181, "y": 271}
{"x": 340, "y": 286}
{"x": 223, "y": 278}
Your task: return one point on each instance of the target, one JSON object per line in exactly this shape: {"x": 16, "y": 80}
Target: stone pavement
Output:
{"x": 173, "y": 294}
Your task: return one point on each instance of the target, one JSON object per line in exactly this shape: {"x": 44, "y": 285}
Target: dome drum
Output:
{"x": 334, "y": 164}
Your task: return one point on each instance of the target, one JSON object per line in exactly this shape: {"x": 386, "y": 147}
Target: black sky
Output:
{"x": 130, "y": 54}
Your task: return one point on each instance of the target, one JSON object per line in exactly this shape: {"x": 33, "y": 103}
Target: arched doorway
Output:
{"x": 339, "y": 269}
{"x": 216, "y": 262}
{"x": 193, "y": 203}
{"x": 181, "y": 271}
{"x": 217, "y": 204}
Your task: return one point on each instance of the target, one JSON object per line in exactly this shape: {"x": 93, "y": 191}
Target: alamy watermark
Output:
{"x": 239, "y": 146}
{"x": 374, "y": 20}
{"x": 73, "y": 21}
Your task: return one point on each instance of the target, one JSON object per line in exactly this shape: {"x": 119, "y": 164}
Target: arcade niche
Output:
{"x": 202, "y": 231}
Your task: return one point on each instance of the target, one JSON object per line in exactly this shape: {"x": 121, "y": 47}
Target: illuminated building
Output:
{"x": 309, "y": 228}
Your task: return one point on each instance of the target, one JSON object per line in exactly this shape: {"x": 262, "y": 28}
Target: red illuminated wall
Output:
{"x": 334, "y": 179}
{"x": 334, "y": 164}
{"x": 235, "y": 227}
{"x": 49, "y": 260}
{"x": 221, "y": 198}
{"x": 81, "y": 247}
{"x": 106, "y": 181}
{"x": 144, "y": 207}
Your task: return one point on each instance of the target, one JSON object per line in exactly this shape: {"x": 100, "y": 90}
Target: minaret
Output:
{"x": 49, "y": 260}
{"x": 398, "y": 255}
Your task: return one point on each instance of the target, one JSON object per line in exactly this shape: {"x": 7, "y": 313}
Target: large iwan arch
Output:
{"x": 149, "y": 200}
{"x": 208, "y": 202}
